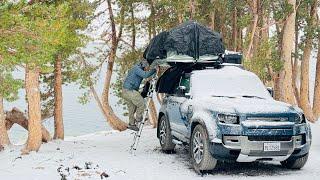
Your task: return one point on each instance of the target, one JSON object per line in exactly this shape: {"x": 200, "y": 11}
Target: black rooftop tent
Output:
{"x": 190, "y": 39}
{"x": 186, "y": 47}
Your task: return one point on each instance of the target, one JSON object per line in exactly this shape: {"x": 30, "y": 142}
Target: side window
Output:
{"x": 185, "y": 81}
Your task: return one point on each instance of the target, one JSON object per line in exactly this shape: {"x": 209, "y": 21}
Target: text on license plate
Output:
{"x": 274, "y": 146}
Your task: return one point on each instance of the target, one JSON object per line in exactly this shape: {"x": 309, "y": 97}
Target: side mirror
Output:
{"x": 181, "y": 90}
{"x": 271, "y": 91}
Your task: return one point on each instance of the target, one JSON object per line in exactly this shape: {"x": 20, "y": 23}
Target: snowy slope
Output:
{"x": 109, "y": 152}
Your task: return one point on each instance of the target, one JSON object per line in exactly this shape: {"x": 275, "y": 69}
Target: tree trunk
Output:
{"x": 192, "y": 9}
{"x": 58, "y": 117}
{"x": 254, "y": 27}
{"x": 287, "y": 47}
{"x": 152, "y": 17}
{"x": 234, "y": 26}
{"x": 294, "y": 81}
{"x": 254, "y": 8}
{"x": 34, "y": 109}
{"x": 265, "y": 21}
{"x": 257, "y": 38}
{"x": 304, "y": 81}
{"x": 113, "y": 120}
{"x": 278, "y": 26}
{"x": 223, "y": 29}
{"x": 4, "y": 138}
{"x": 104, "y": 110}
{"x": 212, "y": 17}
{"x": 160, "y": 97}
{"x": 179, "y": 11}
{"x": 149, "y": 30}
{"x": 295, "y": 65}
{"x": 133, "y": 27}
{"x": 316, "y": 99}
{"x": 15, "y": 116}
{"x": 239, "y": 39}
{"x": 153, "y": 114}
{"x": 277, "y": 87}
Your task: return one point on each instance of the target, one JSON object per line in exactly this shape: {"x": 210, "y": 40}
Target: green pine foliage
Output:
{"x": 36, "y": 34}
{"x": 9, "y": 86}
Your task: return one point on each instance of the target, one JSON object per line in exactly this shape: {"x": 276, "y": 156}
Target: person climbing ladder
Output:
{"x": 149, "y": 95}
{"x": 132, "y": 96}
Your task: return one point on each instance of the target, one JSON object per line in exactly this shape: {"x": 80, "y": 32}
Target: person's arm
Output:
{"x": 144, "y": 74}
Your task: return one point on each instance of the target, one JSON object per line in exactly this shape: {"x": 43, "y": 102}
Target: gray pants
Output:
{"x": 135, "y": 104}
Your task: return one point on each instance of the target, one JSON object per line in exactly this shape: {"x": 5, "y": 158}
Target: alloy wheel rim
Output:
{"x": 198, "y": 147}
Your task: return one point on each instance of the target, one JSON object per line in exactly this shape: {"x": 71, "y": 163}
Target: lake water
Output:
{"x": 78, "y": 119}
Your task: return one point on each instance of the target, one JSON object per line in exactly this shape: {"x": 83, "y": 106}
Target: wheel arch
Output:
{"x": 208, "y": 162}
{"x": 205, "y": 119}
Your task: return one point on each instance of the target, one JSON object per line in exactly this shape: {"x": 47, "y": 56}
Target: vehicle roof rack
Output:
{"x": 204, "y": 61}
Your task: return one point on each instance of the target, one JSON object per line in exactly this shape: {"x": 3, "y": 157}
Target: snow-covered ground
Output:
{"x": 89, "y": 156}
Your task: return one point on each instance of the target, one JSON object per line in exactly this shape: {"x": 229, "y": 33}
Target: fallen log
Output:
{"x": 15, "y": 116}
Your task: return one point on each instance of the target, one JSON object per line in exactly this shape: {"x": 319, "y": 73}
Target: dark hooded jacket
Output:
{"x": 135, "y": 77}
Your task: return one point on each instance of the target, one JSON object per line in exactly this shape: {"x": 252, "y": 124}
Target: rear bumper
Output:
{"x": 248, "y": 149}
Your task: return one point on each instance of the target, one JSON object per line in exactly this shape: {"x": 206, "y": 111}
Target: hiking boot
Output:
{"x": 133, "y": 127}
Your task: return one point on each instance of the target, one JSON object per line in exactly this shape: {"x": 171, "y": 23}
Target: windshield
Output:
{"x": 226, "y": 83}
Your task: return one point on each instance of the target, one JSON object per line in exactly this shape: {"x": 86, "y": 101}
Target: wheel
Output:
{"x": 165, "y": 136}
{"x": 297, "y": 163}
{"x": 201, "y": 158}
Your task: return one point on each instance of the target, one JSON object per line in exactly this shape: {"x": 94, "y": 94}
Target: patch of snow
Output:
{"x": 87, "y": 157}
{"x": 232, "y": 52}
{"x": 227, "y": 81}
{"x": 243, "y": 105}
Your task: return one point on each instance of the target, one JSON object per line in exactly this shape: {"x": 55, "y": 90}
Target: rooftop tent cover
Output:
{"x": 190, "y": 38}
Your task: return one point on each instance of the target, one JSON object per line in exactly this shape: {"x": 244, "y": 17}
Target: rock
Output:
{"x": 88, "y": 165}
{"x": 19, "y": 157}
{"x": 64, "y": 173}
{"x": 77, "y": 167}
{"x": 104, "y": 175}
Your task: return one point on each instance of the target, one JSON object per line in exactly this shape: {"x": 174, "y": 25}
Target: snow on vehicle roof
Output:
{"x": 228, "y": 70}
{"x": 230, "y": 81}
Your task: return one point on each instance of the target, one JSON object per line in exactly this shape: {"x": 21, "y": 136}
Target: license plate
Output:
{"x": 274, "y": 146}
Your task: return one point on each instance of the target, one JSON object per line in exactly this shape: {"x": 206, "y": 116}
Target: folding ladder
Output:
{"x": 137, "y": 134}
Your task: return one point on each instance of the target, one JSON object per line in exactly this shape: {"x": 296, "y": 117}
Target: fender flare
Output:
{"x": 207, "y": 120}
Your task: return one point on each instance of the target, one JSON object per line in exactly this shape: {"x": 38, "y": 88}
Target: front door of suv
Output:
{"x": 179, "y": 122}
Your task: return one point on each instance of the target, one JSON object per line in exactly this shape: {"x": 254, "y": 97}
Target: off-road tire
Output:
{"x": 165, "y": 137}
{"x": 207, "y": 162}
{"x": 297, "y": 163}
